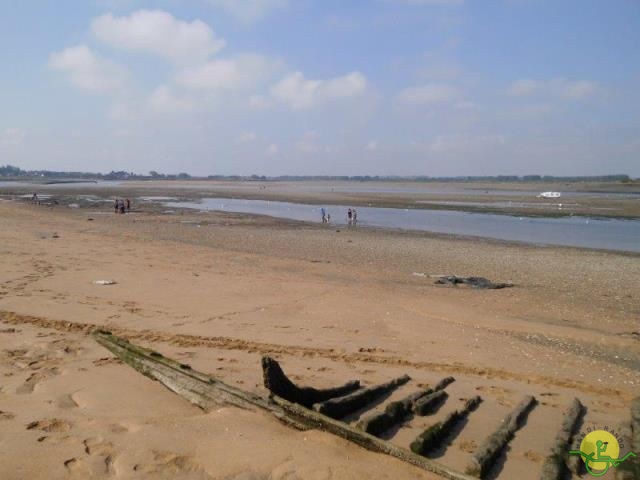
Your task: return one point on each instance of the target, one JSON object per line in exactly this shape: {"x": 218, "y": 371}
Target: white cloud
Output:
{"x": 300, "y": 93}
{"x": 559, "y": 88}
{"x": 258, "y": 102}
{"x": 579, "y": 89}
{"x": 430, "y": 93}
{"x": 308, "y": 143}
{"x": 159, "y": 33}
{"x": 523, "y": 87}
{"x": 12, "y": 136}
{"x": 162, "y": 99}
{"x": 248, "y": 11}
{"x": 372, "y": 145}
{"x": 272, "y": 150}
{"x": 247, "y": 137}
{"x": 88, "y": 71}
{"x": 244, "y": 71}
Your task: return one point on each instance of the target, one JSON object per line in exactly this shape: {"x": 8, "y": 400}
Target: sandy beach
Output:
{"x": 220, "y": 290}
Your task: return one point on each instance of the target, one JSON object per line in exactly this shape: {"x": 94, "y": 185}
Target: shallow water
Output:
{"x": 614, "y": 234}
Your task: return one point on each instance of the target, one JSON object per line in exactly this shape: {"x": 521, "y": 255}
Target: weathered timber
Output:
{"x": 208, "y": 392}
{"x": 433, "y": 436}
{"x": 474, "y": 282}
{"x": 343, "y": 406}
{"x": 489, "y": 451}
{"x": 344, "y": 430}
{"x": 396, "y": 412}
{"x": 555, "y": 465}
{"x": 279, "y": 384}
{"x": 429, "y": 403}
{"x": 630, "y": 433}
{"x": 202, "y": 390}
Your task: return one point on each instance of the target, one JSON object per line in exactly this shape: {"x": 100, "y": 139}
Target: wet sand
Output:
{"x": 594, "y": 199}
{"x": 220, "y": 290}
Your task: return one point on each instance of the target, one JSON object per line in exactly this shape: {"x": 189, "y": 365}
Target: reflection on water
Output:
{"x": 623, "y": 235}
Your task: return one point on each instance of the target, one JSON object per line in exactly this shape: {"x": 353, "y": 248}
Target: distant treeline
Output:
{"x": 11, "y": 172}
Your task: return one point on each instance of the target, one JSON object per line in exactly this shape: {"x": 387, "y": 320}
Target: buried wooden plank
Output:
{"x": 208, "y": 392}
{"x": 555, "y": 465}
{"x": 630, "y": 433}
{"x": 279, "y": 384}
{"x": 200, "y": 389}
{"x": 343, "y": 406}
{"x": 341, "y": 429}
{"x": 488, "y": 453}
{"x": 433, "y": 436}
{"x": 430, "y": 403}
{"x": 396, "y": 412}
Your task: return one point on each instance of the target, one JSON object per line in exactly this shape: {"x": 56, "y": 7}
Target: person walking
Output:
{"x": 115, "y": 206}
{"x": 349, "y": 217}
{"x": 355, "y": 216}
{"x": 128, "y": 203}
{"x": 324, "y": 215}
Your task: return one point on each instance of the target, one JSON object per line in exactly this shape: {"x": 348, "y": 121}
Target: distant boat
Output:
{"x": 549, "y": 195}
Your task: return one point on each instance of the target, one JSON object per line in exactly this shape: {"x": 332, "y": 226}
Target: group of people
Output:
{"x": 352, "y": 216}
{"x": 122, "y": 206}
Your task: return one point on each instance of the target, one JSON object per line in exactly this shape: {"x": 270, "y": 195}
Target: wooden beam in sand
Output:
{"x": 490, "y": 450}
{"x": 208, "y": 392}
{"x": 342, "y": 406}
{"x": 630, "y": 432}
{"x": 429, "y": 403}
{"x": 279, "y": 384}
{"x": 433, "y": 436}
{"x": 396, "y": 412}
{"x": 555, "y": 466}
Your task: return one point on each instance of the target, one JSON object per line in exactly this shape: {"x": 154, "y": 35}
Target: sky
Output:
{"x": 324, "y": 87}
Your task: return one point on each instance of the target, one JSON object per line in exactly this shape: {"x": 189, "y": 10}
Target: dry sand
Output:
{"x": 220, "y": 290}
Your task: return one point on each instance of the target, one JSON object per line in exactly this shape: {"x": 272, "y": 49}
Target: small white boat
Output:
{"x": 549, "y": 195}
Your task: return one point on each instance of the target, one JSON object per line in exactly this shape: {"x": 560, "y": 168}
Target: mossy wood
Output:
{"x": 555, "y": 466}
{"x": 208, "y": 392}
{"x": 433, "y": 436}
{"x": 630, "y": 469}
{"x": 279, "y": 384}
{"x": 487, "y": 454}
{"x": 342, "y": 406}
{"x": 395, "y": 412}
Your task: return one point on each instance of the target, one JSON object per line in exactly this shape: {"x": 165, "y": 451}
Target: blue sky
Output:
{"x": 429, "y": 87}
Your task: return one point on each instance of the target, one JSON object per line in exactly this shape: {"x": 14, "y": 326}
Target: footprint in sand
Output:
{"x": 67, "y": 402}
{"x": 166, "y": 463}
{"x": 50, "y": 425}
{"x": 55, "y": 439}
{"x": 99, "y": 447}
{"x": 533, "y": 456}
{"x": 6, "y": 415}
{"x": 77, "y": 468}
{"x": 291, "y": 470}
{"x": 34, "y": 379}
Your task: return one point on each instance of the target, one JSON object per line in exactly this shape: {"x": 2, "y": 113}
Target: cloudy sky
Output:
{"x": 431, "y": 87}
